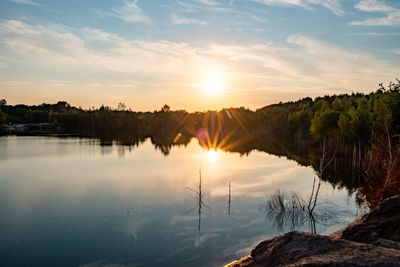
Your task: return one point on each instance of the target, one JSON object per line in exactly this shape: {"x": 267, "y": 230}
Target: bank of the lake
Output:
{"x": 373, "y": 240}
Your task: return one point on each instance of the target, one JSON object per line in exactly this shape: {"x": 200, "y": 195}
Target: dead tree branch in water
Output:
{"x": 200, "y": 203}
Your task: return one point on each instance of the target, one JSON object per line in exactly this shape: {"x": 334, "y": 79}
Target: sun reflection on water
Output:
{"x": 212, "y": 155}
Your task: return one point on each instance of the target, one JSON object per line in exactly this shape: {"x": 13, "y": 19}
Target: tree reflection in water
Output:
{"x": 229, "y": 200}
{"x": 291, "y": 211}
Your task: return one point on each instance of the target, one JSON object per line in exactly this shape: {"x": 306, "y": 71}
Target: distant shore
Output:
{"x": 30, "y": 128}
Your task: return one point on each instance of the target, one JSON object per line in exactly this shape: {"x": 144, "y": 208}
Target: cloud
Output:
{"x": 181, "y": 20}
{"x": 208, "y": 2}
{"x": 14, "y": 83}
{"x": 391, "y": 18}
{"x": 60, "y": 83}
{"x": 384, "y": 33}
{"x": 194, "y": 7}
{"x": 256, "y": 73}
{"x": 26, "y": 2}
{"x": 130, "y": 12}
{"x": 375, "y": 33}
{"x": 396, "y": 51}
{"x": 373, "y": 6}
{"x": 332, "y": 5}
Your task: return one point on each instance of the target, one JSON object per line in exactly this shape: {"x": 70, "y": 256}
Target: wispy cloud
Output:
{"x": 375, "y": 33}
{"x": 14, "y": 83}
{"x": 373, "y": 6}
{"x": 396, "y": 51}
{"x": 193, "y": 7}
{"x": 391, "y": 15}
{"x": 130, "y": 12}
{"x": 208, "y": 2}
{"x": 257, "y": 73}
{"x": 181, "y": 20}
{"x": 60, "y": 83}
{"x": 26, "y": 2}
{"x": 384, "y": 33}
{"x": 332, "y": 5}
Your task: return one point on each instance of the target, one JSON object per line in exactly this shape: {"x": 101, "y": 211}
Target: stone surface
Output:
{"x": 380, "y": 226}
{"x": 374, "y": 240}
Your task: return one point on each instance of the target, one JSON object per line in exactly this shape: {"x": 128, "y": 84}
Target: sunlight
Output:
{"x": 214, "y": 83}
{"x": 212, "y": 156}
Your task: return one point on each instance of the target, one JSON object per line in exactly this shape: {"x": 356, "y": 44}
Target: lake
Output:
{"x": 75, "y": 201}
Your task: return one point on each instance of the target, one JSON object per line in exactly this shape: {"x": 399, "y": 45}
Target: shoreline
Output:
{"x": 372, "y": 240}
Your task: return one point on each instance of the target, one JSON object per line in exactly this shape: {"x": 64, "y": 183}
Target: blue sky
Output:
{"x": 150, "y": 52}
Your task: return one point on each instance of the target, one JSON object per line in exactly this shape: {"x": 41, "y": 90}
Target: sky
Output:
{"x": 194, "y": 54}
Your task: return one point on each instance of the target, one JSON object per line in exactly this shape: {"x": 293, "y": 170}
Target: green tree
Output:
{"x": 361, "y": 119}
{"x": 324, "y": 123}
{"x": 345, "y": 126}
{"x": 299, "y": 123}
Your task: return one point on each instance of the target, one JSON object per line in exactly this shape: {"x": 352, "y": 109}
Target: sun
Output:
{"x": 212, "y": 155}
{"x": 213, "y": 83}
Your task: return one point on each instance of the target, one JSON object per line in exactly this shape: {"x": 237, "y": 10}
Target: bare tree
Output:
{"x": 294, "y": 211}
{"x": 121, "y": 106}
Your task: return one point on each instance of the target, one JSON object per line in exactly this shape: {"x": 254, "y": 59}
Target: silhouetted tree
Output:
{"x": 165, "y": 108}
{"x": 3, "y": 118}
{"x": 121, "y": 106}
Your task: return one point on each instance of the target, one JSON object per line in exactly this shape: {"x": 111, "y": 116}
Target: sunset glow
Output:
{"x": 214, "y": 84}
{"x": 191, "y": 55}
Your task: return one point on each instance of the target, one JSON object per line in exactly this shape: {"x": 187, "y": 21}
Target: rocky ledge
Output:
{"x": 373, "y": 240}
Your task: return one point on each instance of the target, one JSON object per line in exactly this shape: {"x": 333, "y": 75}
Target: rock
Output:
{"x": 305, "y": 249}
{"x": 374, "y": 240}
{"x": 380, "y": 226}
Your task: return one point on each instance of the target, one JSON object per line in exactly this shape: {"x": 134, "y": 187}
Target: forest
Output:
{"x": 358, "y": 133}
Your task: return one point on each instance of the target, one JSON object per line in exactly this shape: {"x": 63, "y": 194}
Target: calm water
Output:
{"x": 70, "y": 201}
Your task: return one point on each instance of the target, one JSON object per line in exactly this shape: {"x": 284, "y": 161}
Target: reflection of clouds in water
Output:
{"x": 204, "y": 237}
{"x": 253, "y": 175}
{"x": 103, "y": 263}
{"x": 217, "y": 226}
{"x": 137, "y": 215}
{"x": 168, "y": 257}
{"x": 262, "y": 181}
{"x": 176, "y": 219}
{"x": 241, "y": 244}
{"x": 243, "y": 247}
{"x": 133, "y": 227}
